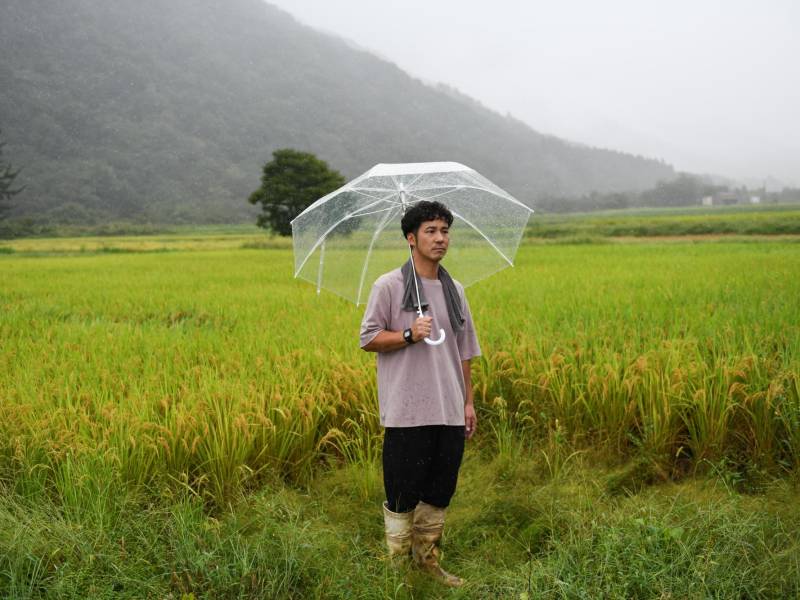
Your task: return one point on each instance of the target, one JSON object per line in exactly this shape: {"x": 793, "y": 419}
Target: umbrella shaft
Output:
{"x": 416, "y": 283}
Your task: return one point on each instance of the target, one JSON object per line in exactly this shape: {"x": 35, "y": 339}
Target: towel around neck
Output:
{"x": 451, "y": 297}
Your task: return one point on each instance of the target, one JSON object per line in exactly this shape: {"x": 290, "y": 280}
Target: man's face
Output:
{"x": 432, "y": 239}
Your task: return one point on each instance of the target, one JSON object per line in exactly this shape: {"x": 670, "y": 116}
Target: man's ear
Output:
{"x": 411, "y": 239}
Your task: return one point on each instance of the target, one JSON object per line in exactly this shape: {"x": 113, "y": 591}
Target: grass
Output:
{"x": 512, "y": 531}
{"x": 181, "y": 417}
{"x": 184, "y": 239}
{"x": 196, "y": 366}
{"x": 768, "y": 220}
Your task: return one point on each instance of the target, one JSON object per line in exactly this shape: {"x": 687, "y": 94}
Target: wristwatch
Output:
{"x": 408, "y": 337}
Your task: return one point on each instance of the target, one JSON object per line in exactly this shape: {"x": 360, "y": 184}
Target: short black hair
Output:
{"x": 422, "y": 211}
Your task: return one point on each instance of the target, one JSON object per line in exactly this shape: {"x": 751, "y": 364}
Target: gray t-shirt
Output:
{"x": 419, "y": 384}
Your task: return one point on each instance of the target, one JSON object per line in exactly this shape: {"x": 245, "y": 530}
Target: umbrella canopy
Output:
{"x": 345, "y": 240}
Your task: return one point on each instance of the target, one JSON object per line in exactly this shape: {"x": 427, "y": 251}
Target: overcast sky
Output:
{"x": 709, "y": 86}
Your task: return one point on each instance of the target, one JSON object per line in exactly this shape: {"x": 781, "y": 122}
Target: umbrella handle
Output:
{"x": 431, "y": 342}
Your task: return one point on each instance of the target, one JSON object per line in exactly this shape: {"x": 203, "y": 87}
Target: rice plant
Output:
{"x": 211, "y": 371}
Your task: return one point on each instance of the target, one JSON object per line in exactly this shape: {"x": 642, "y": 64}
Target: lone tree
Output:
{"x": 290, "y": 182}
{"x": 7, "y": 176}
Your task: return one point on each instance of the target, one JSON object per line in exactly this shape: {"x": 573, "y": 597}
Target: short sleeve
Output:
{"x": 468, "y": 346}
{"x": 377, "y": 316}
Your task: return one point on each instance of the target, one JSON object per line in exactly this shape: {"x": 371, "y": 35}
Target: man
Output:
{"x": 424, "y": 391}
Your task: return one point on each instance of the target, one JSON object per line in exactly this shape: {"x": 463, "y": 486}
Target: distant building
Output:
{"x": 755, "y": 199}
{"x": 708, "y": 201}
{"x": 726, "y": 198}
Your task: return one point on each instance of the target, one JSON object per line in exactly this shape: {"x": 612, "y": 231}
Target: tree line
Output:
{"x": 292, "y": 180}
{"x": 684, "y": 190}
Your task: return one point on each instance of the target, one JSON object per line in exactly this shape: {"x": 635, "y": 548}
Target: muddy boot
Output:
{"x": 398, "y": 528}
{"x": 428, "y": 527}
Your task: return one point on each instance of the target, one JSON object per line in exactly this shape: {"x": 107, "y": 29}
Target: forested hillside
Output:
{"x": 165, "y": 110}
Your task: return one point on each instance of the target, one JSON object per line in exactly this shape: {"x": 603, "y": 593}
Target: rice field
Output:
{"x": 739, "y": 220}
{"x": 204, "y": 369}
{"x": 200, "y": 370}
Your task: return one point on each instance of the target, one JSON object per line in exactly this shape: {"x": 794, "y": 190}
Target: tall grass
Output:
{"x": 208, "y": 373}
{"x": 512, "y": 534}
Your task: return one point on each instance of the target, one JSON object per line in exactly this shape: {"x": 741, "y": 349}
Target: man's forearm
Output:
{"x": 386, "y": 341}
{"x": 466, "y": 368}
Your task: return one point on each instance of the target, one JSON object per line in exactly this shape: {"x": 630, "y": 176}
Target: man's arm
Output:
{"x": 387, "y": 341}
{"x": 470, "y": 418}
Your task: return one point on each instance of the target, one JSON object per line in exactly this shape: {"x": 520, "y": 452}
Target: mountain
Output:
{"x": 165, "y": 110}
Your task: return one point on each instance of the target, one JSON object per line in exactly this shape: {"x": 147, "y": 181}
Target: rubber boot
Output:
{"x": 428, "y": 528}
{"x": 398, "y": 528}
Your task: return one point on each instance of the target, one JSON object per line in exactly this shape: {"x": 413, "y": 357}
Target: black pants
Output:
{"x": 421, "y": 463}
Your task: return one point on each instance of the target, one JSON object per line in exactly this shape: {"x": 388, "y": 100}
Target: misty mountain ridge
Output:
{"x": 166, "y": 110}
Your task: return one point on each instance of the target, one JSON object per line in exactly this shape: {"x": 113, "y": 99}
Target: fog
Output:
{"x": 710, "y": 87}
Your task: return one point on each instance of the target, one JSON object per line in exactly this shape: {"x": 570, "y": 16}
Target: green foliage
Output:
{"x": 175, "y": 432}
{"x": 520, "y": 537}
{"x": 290, "y": 182}
{"x": 182, "y": 373}
{"x": 682, "y": 191}
{"x": 7, "y": 176}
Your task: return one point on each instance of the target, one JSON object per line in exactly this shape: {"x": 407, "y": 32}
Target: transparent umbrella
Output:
{"x": 347, "y": 239}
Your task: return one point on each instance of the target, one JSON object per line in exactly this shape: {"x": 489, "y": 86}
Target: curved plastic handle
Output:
{"x": 431, "y": 342}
